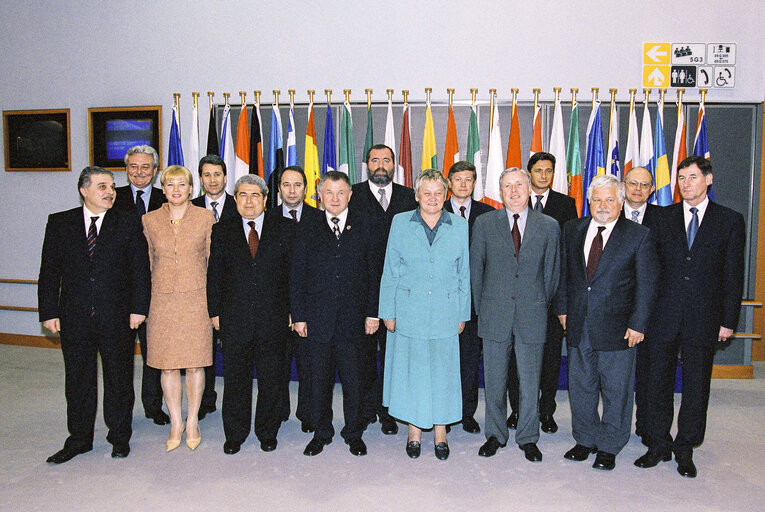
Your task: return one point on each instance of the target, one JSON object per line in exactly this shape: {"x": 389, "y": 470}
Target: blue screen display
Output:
{"x": 123, "y": 134}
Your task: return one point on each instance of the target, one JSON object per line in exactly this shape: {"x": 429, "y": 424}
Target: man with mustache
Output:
{"x": 93, "y": 288}
{"x": 379, "y": 199}
{"x": 139, "y": 197}
{"x": 609, "y": 272}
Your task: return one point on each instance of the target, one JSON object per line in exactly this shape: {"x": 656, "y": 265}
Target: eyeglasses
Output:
{"x": 639, "y": 184}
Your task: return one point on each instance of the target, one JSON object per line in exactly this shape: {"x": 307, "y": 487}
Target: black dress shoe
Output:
{"x": 205, "y": 410}
{"x": 470, "y": 425}
{"x": 306, "y": 428}
{"x": 604, "y": 461}
{"x": 315, "y": 446}
{"x": 356, "y": 447}
{"x": 159, "y": 417}
{"x": 442, "y": 451}
{"x": 685, "y": 466}
{"x": 652, "y": 458}
{"x": 531, "y": 452}
{"x": 548, "y": 423}
{"x": 512, "y": 421}
{"x": 489, "y": 448}
{"x": 388, "y": 426}
{"x": 268, "y": 445}
{"x": 579, "y": 453}
{"x": 120, "y": 451}
{"x": 66, "y": 454}
{"x": 231, "y": 447}
{"x": 413, "y": 449}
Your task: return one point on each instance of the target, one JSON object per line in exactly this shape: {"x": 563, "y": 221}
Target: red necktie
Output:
{"x": 596, "y": 250}
{"x": 516, "y": 234}
{"x": 253, "y": 239}
{"x": 462, "y": 212}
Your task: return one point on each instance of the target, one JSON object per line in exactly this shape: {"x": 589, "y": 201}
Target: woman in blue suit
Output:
{"x": 425, "y": 302}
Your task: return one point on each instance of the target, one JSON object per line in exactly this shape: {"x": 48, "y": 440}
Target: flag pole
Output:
{"x": 210, "y": 95}
{"x": 613, "y": 92}
{"x": 369, "y": 96}
{"x": 680, "y": 92}
{"x": 428, "y": 90}
{"x": 536, "y": 91}
{"x": 177, "y": 106}
{"x": 515, "y": 98}
{"x": 257, "y": 98}
{"x": 493, "y": 92}
{"x": 347, "y": 93}
{"x": 647, "y": 93}
{"x": 292, "y": 98}
{"x": 311, "y": 92}
{"x": 405, "y": 93}
{"x": 276, "y": 97}
{"x": 195, "y": 99}
{"x": 225, "y": 98}
{"x": 473, "y": 93}
{"x": 662, "y": 92}
{"x": 633, "y": 91}
{"x": 574, "y": 90}
{"x": 328, "y": 92}
{"x": 703, "y": 93}
{"x": 594, "y": 96}
{"x": 556, "y": 92}
{"x": 242, "y": 96}
{"x": 450, "y": 92}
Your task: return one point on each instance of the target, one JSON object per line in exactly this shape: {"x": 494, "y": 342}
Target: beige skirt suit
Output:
{"x": 178, "y": 326}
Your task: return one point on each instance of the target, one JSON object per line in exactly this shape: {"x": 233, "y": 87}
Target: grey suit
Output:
{"x": 511, "y": 297}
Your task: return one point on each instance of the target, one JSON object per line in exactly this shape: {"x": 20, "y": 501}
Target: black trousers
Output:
{"x": 151, "y": 386}
{"x": 697, "y": 362}
{"x": 266, "y": 355}
{"x": 548, "y": 385}
{"x": 642, "y": 386}
{"x": 345, "y": 356}
{"x": 372, "y": 379}
{"x": 81, "y": 387}
{"x": 297, "y": 347}
{"x": 209, "y": 396}
{"x": 470, "y": 356}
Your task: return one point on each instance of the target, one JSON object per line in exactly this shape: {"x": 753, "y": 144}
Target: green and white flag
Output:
{"x": 347, "y": 163}
{"x": 474, "y": 153}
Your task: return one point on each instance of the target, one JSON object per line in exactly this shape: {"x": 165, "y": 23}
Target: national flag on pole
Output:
{"x": 328, "y": 163}
{"x": 661, "y": 165}
{"x": 193, "y": 152}
{"x": 213, "y": 146}
{"x": 405, "y": 151}
{"x": 514, "y": 158}
{"x": 175, "y": 150}
{"x": 347, "y": 149}
{"x": 390, "y": 141}
{"x": 275, "y": 155}
{"x": 595, "y": 160}
{"x": 701, "y": 142}
{"x": 558, "y": 150}
{"x": 614, "y": 163}
{"x": 451, "y": 148}
{"x": 646, "y": 147}
{"x": 291, "y": 139}
{"x": 242, "y": 165}
{"x": 311, "y": 163}
{"x": 632, "y": 150}
{"x": 256, "y": 143}
{"x": 474, "y": 153}
{"x": 679, "y": 154}
{"x": 494, "y": 163}
{"x": 536, "y": 131}
{"x": 574, "y": 161}
{"x": 369, "y": 141}
{"x": 227, "y": 152}
{"x": 429, "y": 152}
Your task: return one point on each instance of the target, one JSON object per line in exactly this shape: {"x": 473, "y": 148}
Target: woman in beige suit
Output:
{"x": 178, "y": 325}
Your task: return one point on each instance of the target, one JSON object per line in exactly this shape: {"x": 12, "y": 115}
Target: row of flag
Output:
{"x": 245, "y": 154}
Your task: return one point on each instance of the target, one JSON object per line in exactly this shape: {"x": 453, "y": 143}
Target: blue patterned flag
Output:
{"x": 175, "y": 150}
{"x": 329, "y": 163}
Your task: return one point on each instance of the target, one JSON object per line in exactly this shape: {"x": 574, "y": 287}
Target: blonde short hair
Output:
{"x": 176, "y": 171}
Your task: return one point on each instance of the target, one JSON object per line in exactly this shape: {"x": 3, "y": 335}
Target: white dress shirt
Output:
{"x": 592, "y": 231}
{"x": 702, "y": 207}
{"x": 146, "y": 194}
{"x": 343, "y": 216}
{"x": 298, "y": 211}
{"x": 456, "y": 207}
{"x": 258, "y": 226}
{"x": 641, "y": 211}
{"x": 87, "y": 214}
{"x": 376, "y": 190}
{"x": 522, "y": 217}
{"x": 544, "y": 198}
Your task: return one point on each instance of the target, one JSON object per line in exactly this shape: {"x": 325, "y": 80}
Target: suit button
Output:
{"x": 687, "y": 278}
{"x": 512, "y": 298}
{"x": 589, "y": 288}
{"x": 430, "y": 293}
{"x": 337, "y": 277}
{"x": 432, "y": 260}
{"x": 687, "y": 258}
{"x": 516, "y": 276}
{"x": 92, "y": 279}
{"x": 430, "y": 277}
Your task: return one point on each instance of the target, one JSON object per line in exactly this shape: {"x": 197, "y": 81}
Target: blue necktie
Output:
{"x": 693, "y": 226}
{"x": 140, "y": 207}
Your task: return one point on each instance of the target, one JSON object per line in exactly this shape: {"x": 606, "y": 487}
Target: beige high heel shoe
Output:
{"x": 172, "y": 444}
{"x": 193, "y": 443}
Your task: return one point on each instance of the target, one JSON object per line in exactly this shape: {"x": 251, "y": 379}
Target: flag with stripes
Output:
{"x": 614, "y": 162}
{"x": 474, "y": 155}
{"x": 660, "y": 163}
{"x": 213, "y": 145}
{"x": 329, "y": 162}
{"x": 701, "y": 142}
{"x": 451, "y": 148}
{"x": 347, "y": 160}
{"x": 227, "y": 151}
{"x": 405, "y": 151}
{"x": 291, "y": 139}
{"x": 174, "y": 148}
{"x": 646, "y": 147}
{"x": 242, "y": 165}
{"x": 558, "y": 150}
{"x": 275, "y": 155}
{"x": 429, "y": 152}
{"x": 494, "y": 166}
{"x": 311, "y": 162}
{"x": 536, "y": 131}
{"x": 193, "y": 152}
{"x": 632, "y": 149}
{"x": 679, "y": 154}
{"x": 256, "y": 142}
{"x": 514, "y": 158}
{"x": 595, "y": 159}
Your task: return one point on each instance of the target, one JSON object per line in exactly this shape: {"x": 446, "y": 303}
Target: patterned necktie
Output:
{"x": 596, "y": 250}
{"x": 140, "y": 207}
{"x": 336, "y": 228}
{"x": 693, "y": 227}
{"x": 214, "y": 205}
{"x": 92, "y": 234}
{"x": 538, "y": 205}
{"x": 253, "y": 239}
{"x": 383, "y": 199}
{"x": 462, "y": 212}
{"x": 293, "y": 214}
{"x": 635, "y": 215}
{"x": 516, "y": 234}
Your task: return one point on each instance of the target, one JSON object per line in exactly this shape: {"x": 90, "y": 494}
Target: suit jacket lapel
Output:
{"x": 707, "y": 226}
{"x": 79, "y": 231}
{"x": 502, "y": 225}
{"x": 578, "y": 245}
{"x": 530, "y": 232}
{"x": 108, "y": 226}
{"x": 612, "y": 248}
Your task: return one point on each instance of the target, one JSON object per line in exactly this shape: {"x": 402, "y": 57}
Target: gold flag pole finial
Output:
{"x": 556, "y": 92}
{"x": 405, "y": 93}
{"x": 428, "y": 90}
{"x": 492, "y": 94}
{"x": 347, "y": 93}
{"x": 311, "y": 92}
{"x": 291, "y": 92}
{"x": 514, "y": 92}
{"x": 257, "y": 98}
{"x": 225, "y": 98}
{"x": 536, "y": 91}
{"x": 210, "y": 95}
{"x": 647, "y": 93}
{"x": 595, "y": 95}
{"x": 633, "y": 91}
{"x": 242, "y": 96}
{"x": 574, "y": 91}
{"x": 276, "y": 97}
{"x": 176, "y": 99}
{"x": 473, "y": 93}
{"x": 680, "y": 92}
{"x": 369, "y": 96}
{"x": 613, "y": 91}
{"x": 662, "y": 92}
{"x": 703, "y": 93}
{"x": 450, "y": 92}
{"x": 195, "y": 99}
{"x": 328, "y": 92}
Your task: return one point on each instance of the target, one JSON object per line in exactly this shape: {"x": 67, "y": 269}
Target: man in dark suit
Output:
{"x": 94, "y": 287}
{"x": 639, "y": 186}
{"x": 139, "y": 197}
{"x": 562, "y": 208}
{"x": 292, "y": 190}
{"x": 462, "y": 176}
{"x": 514, "y": 272}
{"x": 248, "y": 301}
{"x": 701, "y": 255}
{"x": 334, "y": 292}
{"x": 608, "y": 284}
{"x": 379, "y": 199}
{"x": 212, "y": 174}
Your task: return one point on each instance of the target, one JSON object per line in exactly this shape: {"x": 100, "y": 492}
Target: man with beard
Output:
{"x": 609, "y": 275}
{"x": 379, "y": 199}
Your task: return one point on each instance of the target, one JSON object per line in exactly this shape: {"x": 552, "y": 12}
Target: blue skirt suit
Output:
{"x": 426, "y": 288}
